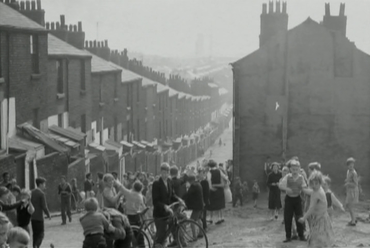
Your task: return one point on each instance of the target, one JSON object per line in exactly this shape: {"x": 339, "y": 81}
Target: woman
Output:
{"x": 101, "y": 187}
{"x": 216, "y": 195}
{"x": 352, "y": 192}
{"x": 274, "y": 191}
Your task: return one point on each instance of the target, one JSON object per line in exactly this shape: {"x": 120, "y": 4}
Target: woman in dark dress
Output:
{"x": 274, "y": 192}
{"x": 216, "y": 193}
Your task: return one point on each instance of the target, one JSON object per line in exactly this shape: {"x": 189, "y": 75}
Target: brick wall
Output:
{"x": 77, "y": 169}
{"x": 30, "y": 93}
{"x": 151, "y": 112}
{"x": 52, "y": 167}
{"x": 7, "y": 163}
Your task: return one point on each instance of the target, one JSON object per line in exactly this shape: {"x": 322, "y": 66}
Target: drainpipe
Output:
{"x": 7, "y": 89}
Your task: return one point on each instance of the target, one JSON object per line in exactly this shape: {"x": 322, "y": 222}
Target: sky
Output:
{"x": 170, "y": 28}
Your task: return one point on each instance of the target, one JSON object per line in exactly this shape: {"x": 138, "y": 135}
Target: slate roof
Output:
{"x": 10, "y": 18}
{"x": 58, "y": 47}
{"x": 161, "y": 88}
{"x": 126, "y": 75}
{"x": 101, "y": 65}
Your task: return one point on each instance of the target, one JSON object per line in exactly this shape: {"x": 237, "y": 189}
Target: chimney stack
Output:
{"x": 341, "y": 10}
{"x": 337, "y": 24}
{"x": 277, "y": 7}
{"x": 327, "y": 9}
{"x": 33, "y": 11}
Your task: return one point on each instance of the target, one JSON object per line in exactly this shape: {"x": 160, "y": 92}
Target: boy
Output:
{"x": 293, "y": 184}
{"x": 256, "y": 192}
{"x": 18, "y": 238}
{"x": 94, "y": 224}
{"x": 25, "y": 211}
{"x": 238, "y": 192}
{"x": 205, "y": 191}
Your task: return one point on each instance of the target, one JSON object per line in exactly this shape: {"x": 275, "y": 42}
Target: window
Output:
{"x": 60, "y": 76}
{"x": 82, "y": 75}
{"x": 60, "y": 120}
{"x": 100, "y": 89}
{"x": 83, "y": 123}
{"x": 34, "y": 51}
{"x": 35, "y": 120}
{"x": 116, "y": 85}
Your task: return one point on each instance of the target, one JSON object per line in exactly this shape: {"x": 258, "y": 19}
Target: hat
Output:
{"x": 350, "y": 160}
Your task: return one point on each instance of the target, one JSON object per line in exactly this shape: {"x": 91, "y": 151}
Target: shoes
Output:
{"x": 70, "y": 219}
{"x": 351, "y": 223}
{"x": 63, "y": 223}
{"x": 295, "y": 237}
{"x": 302, "y": 238}
{"x": 218, "y": 222}
{"x": 276, "y": 217}
{"x": 287, "y": 240}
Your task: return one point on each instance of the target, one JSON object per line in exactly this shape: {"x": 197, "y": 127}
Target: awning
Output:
{"x": 69, "y": 133}
{"x": 97, "y": 147}
{"x": 42, "y": 137}
{"x": 66, "y": 141}
{"x": 138, "y": 145}
{"x": 112, "y": 145}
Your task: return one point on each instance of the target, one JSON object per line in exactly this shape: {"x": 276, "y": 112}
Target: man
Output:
{"x": 267, "y": 169}
{"x": 163, "y": 196}
{"x": 6, "y": 179}
{"x": 65, "y": 191}
{"x": 37, "y": 220}
{"x": 88, "y": 185}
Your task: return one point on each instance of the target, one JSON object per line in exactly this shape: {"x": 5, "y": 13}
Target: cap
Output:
{"x": 351, "y": 160}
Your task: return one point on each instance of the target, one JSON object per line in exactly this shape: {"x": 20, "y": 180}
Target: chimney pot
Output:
{"x": 98, "y": 43}
{"x": 70, "y": 27}
{"x": 7, "y": 1}
{"x": 62, "y": 20}
{"x": 38, "y": 4}
{"x": 94, "y": 43}
{"x": 33, "y": 5}
{"x": 277, "y": 6}
{"x": 327, "y": 9}
{"x": 22, "y": 5}
{"x": 91, "y": 44}
{"x": 264, "y": 8}
{"x": 271, "y": 7}
{"x": 106, "y": 43}
{"x": 79, "y": 26}
{"x": 75, "y": 28}
{"x": 57, "y": 26}
{"x": 27, "y": 5}
{"x": 342, "y": 8}
{"x": 52, "y": 26}
{"x": 284, "y": 8}
{"x": 86, "y": 44}
{"x": 47, "y": 25}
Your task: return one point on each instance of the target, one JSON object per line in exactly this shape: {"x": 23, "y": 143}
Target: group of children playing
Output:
{"x": 12, "y": 237}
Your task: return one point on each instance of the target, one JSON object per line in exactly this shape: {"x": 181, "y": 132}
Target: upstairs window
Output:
{"x": 34, "y": 51}
{"x": 60, "y": 76}
{"x": 82, "y": 75}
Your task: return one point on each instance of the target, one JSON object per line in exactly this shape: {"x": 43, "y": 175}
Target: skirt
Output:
{"x": 321, "y": 231}
{"x": 352, "y": 195}
{"x": 274, "y": 199}
{"x": 216, "y": 200}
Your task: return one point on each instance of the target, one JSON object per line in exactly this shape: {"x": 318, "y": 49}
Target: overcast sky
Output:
{"x": 171, "y": 27}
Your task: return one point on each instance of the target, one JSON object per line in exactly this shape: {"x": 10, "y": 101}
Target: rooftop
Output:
{"x": 126, "y": 75}
{"x": 100, "y": 65}
{"x": 58, "y": 47}
{"x": 10, "y": 18}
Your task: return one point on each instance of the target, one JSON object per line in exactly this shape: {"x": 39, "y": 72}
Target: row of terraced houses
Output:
{"x": 68, "y": 101}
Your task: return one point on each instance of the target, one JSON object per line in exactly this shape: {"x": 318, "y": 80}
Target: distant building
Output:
{"x": 305, "y": 93}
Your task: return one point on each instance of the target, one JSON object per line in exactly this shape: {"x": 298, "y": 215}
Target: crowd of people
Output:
{"x": 308, "y": 199}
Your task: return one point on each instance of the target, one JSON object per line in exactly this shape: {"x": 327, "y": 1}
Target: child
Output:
{"x": 18, "y": 238}
{"x": 5, "y": 225}
{"x": 292, "y": 184}
{"x": 274, "y": 200}
{"x": 285, "y": 171}
{"x": 25, "y": 211}
{"x": 330, "y": 197}
{"x": 245, "y": 188}
{"x": 321, "y": 233}
{"x": 238, "y": 192}
{"x": 352, "y": 192}
{"x": 256, "y": 192}
{"x": 94, "y": 224}
{"x": 205, "y": 190}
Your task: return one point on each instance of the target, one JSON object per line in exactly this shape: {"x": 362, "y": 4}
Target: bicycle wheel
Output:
{"x": 140, "y": 238}
{"x": 150, "y": 229}
{"x": 190, "y": 232}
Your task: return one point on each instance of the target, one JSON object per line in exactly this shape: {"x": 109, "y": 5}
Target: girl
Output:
{"x": 5, "y": 225}
{"x": 75, "y": 195}
{"x": 321, "y": 233}
{"x": 256, "y": 192}
{"x": 352, "y": 192}
{"x": 217, "y": 193}
{"x": 101, "y": 185}
{"x": 273, "y": 179}
{"x": 330, "y": 197}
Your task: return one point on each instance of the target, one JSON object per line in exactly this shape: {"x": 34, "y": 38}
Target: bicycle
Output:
{"x": 186, "y": 230}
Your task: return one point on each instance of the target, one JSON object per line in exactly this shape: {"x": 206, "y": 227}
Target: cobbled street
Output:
{"x": 244, "y": 227}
